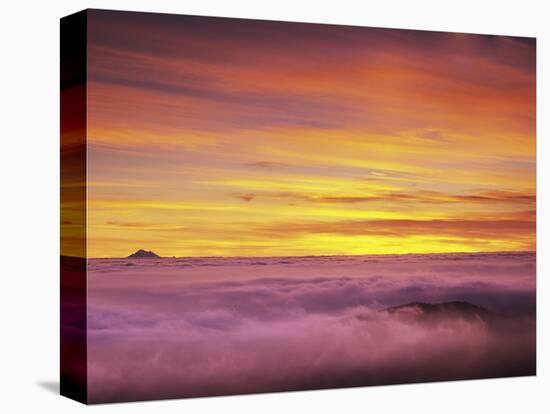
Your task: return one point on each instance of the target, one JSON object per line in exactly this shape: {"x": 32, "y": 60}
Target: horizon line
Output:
{"x": 303, "y": 256}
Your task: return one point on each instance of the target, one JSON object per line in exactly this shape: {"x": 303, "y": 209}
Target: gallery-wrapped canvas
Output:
{"x": 257, "y": 206}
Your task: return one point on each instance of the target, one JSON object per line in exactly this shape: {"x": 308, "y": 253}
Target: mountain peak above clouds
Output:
{"x": 434, "y": 311}
{"x": 143, "y": 254}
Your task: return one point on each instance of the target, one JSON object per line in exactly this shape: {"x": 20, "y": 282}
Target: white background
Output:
{"x": 29, "y": 194}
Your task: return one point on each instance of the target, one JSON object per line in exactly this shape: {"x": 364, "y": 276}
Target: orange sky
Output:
{"x": 229, "y": 137}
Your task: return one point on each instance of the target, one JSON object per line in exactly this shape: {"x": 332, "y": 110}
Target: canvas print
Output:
{"x": 258, "y": 206}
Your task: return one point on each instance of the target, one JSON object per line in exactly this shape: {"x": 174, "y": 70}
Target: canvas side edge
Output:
{"x": 73, "y": 220}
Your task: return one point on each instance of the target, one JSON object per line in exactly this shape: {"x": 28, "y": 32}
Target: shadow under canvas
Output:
{"x": 50, "y": 386}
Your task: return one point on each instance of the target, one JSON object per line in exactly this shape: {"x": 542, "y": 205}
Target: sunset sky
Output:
{"x": 228, "y": 137}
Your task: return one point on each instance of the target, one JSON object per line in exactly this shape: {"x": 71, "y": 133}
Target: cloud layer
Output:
{"x": 178, "y": 327}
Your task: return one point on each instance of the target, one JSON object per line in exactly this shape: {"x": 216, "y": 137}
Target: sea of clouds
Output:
{"x": 212, "y": 326}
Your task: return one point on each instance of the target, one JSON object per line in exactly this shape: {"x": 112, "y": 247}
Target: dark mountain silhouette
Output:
{"x": 143, "y": 254}
{"x": 434, "y": 312}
